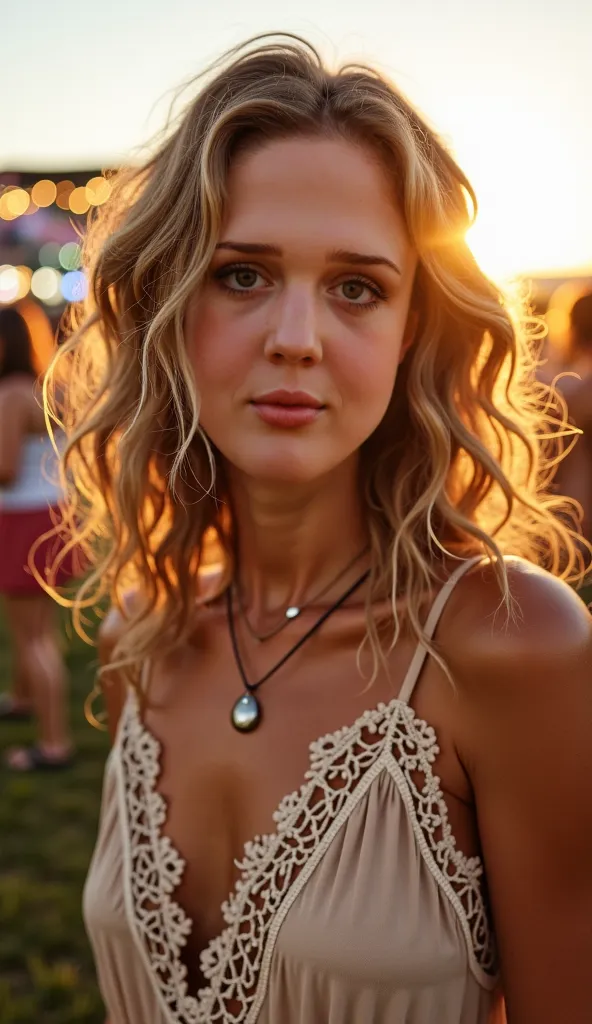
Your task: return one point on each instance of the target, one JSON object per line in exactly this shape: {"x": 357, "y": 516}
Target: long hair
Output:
{"x": 16, "y": 347}
{"x": 459, "y": 463}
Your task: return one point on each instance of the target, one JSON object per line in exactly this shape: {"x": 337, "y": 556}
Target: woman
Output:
{"x": 29, "y": 498}
{"x": 306, "y": 446}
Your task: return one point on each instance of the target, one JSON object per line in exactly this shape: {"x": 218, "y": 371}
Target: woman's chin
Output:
{"x": 283, "y": 468}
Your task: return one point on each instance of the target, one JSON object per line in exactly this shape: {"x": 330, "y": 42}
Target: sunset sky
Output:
{"x": 507, "y": 83}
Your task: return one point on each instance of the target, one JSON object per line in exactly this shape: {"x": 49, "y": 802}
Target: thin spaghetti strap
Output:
{"x": 417, "y": 662}
{"x": 144, "y": 679}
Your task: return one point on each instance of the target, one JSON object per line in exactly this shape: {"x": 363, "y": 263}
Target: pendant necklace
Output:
{"x": 246, "y": 712}
{"x": 293, "y": 611}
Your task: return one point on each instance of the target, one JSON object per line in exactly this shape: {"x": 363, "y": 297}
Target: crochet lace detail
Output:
{"x": 275, "y": 867}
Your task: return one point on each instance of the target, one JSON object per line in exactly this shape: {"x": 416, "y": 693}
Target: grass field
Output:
{"x": 47, "y": 831}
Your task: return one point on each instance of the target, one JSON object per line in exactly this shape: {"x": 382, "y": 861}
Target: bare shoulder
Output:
{"x": 523, "y": 707}
{"x": 546, "y": 623}
{"x": 521, "y": 673}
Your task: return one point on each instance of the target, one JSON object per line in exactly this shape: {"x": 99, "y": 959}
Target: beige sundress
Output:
{"x": 357, "y": 909}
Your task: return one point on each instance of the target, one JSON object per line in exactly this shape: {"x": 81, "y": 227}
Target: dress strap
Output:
{"x": 421, "y": 651}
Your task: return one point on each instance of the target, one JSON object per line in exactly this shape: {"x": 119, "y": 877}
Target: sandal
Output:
{"x": 33, "y": 759}
{"x": 11, "y": 712}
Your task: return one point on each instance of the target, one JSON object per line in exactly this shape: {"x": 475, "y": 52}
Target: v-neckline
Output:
{"x": 365, "y": 744}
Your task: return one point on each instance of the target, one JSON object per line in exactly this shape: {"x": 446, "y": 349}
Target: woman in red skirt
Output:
{"x": 29, "y": 499}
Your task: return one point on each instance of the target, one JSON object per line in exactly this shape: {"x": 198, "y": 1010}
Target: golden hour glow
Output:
{"x": 534, "y": 216}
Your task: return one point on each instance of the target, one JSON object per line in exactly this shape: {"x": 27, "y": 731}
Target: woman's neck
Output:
{"x": 293, "y": 540}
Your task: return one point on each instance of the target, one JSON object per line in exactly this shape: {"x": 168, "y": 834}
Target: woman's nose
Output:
{"x": 293, "y": 334}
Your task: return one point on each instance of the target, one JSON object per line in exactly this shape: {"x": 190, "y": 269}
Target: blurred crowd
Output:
{"x": 574, "y": 475}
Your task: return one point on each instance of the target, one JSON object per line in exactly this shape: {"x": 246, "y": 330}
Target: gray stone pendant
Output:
{"x": 246, "y": 713}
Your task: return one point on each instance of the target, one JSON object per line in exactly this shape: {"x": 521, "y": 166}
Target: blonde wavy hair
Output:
{"x": 460, "y": 463}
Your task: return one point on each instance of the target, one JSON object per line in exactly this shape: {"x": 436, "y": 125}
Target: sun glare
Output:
{"x": 535, "y": 215}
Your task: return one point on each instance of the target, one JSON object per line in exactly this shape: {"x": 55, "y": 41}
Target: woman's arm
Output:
{"x": 525, "y": 709}
{"x": 13, "y": 424}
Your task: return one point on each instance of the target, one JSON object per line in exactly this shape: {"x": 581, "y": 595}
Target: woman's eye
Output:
{"x": 245, "y": 278}
{"x": 358, "y": 292}
{"x": 354, "y": 290}
{"x": 239, "y": 279}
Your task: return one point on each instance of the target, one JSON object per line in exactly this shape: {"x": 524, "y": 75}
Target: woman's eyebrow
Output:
{"x": 251, "y": 248}
{"x": 336, "y": 256}
{"x": 365, "y": 259}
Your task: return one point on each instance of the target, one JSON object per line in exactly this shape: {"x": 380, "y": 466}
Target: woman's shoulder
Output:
{"x": 542, "y": 632}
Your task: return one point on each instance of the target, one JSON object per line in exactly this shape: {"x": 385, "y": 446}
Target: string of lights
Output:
{"x": 58, "y": 277}
{"x": 16, "y": 201}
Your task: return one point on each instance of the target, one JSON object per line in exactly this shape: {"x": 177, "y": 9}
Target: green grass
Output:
{"x": 47, "y": 831}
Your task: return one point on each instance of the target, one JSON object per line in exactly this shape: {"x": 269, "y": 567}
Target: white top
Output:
{"x": 36, "y": 483}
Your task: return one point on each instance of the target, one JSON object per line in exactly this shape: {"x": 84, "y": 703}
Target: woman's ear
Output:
{"x": 409, "y": 333}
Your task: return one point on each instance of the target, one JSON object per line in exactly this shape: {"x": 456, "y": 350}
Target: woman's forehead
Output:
{"x": 327, "y": 193}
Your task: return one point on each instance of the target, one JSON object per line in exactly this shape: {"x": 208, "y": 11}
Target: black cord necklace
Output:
{"x": 246, "y": 712}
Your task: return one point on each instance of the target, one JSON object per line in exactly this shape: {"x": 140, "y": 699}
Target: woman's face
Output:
{"x": 298, "y": 331}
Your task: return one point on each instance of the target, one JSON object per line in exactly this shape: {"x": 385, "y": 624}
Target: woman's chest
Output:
{"x": 222, "y": 788}
{"x": 352, "y": 884}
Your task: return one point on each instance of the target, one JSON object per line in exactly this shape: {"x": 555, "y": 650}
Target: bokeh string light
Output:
{"x": 46, "y": 285}
{"x": 16, "y": 201}
{"x": 58, "y": 278}
{"x": 15, "y": 283}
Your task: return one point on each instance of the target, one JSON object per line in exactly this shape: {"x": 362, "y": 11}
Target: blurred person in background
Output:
{"x": 574, "y": 476}
{"x": 28, "y": 507}
{"x": 575, "y": 473}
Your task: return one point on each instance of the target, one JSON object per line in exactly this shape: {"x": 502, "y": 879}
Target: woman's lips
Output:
{"x": 279, "y": 415}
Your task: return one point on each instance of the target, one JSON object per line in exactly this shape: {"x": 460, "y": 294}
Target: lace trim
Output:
{"x": 276, "y": 866}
